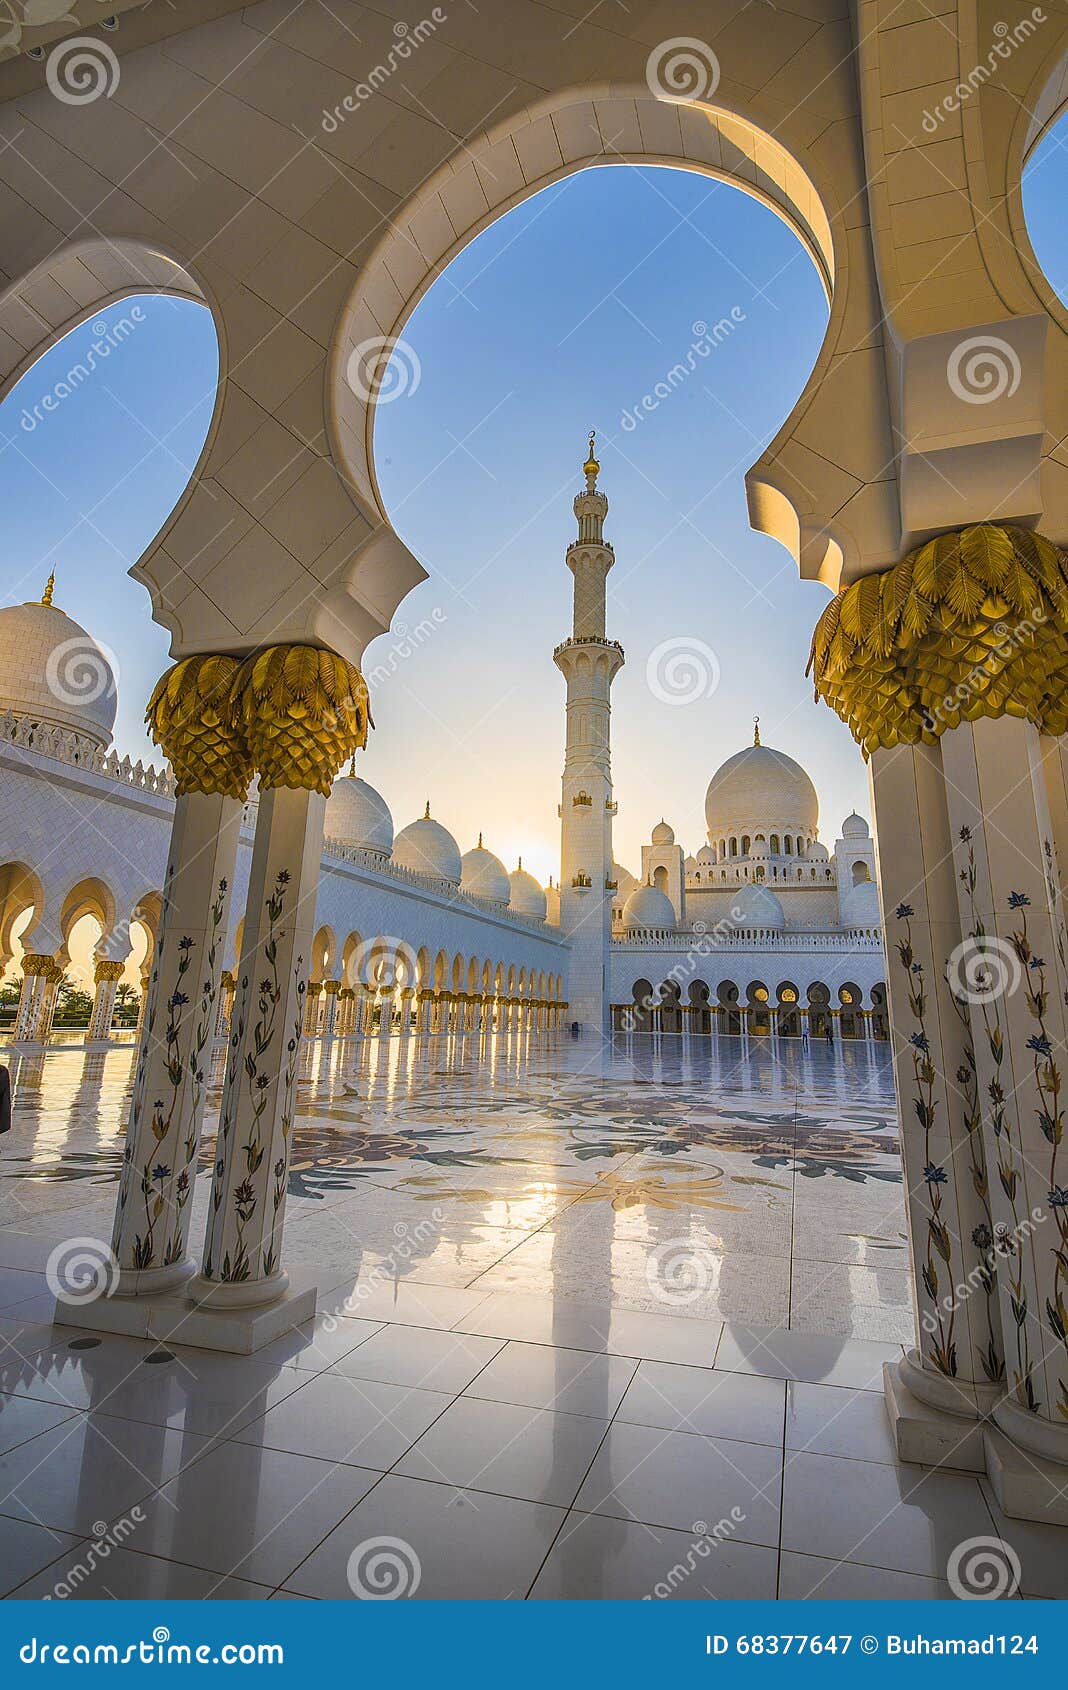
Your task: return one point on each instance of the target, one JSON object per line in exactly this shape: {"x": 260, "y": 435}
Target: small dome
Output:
{"x": 707, "y": 854}
{"x": 754, "y": 905}
{"x": 358, "y": 815}
{"x": 425, "y": 847}
{"x": 860, "y": 906}
{"x": 855, "y": 827}
{"x": 527, "y": 897}
{"x": 647, "y": 906}
{"x": 52, "y": 671}
{"x": 663, "y": 833}
{"x": 484, "y": 874}
{"x": 817, "y": 853}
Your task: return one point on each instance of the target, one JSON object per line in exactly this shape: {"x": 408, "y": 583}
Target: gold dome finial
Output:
{"x": 480, "y": 839}
{"x": 756, "y": 730}
{"x": 47, "y": 595}
{"x": 591, "y": 466}
{"x": 520, "y": 864}
{"x": 426, "y": 812}
{"x": 352, "y": 767}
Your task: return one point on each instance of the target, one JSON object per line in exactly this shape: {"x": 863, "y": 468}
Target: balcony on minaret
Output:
{"x": 582, "y": 798}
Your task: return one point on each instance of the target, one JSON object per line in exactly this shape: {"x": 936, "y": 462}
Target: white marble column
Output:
{"x": 957, "y": 1366}
{"x": 242, "y": 1250}
{"x": 225, "y": 1001}
{"x": 1015, "y": 972}
{"x": 311, "y": 1010}
{"x": 331, "y": 988}
{"x": 177, "y": 1026}
{"x": 107, "y": 975}
{"x": 36, "y": 973}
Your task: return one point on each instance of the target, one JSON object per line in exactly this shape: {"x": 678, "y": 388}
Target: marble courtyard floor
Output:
{"x": 579, "y": 1318}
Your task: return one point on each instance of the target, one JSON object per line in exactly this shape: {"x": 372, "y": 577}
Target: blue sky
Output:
{"x": 559, "y": 318}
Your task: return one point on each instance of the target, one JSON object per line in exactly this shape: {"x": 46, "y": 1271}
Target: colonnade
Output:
{"x": 766, "y": 1021}
{"x": 366, "y": 1011}
{"x": 951, "y": 671}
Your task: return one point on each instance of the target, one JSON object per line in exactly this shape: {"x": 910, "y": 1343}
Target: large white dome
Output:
{"x": 52, "y": 671}
{"x": 358, "y": 815}
{"x": 760, "y": 789}
{"x": 425, "y": 847}
{"x": 527, "y": 897}
{"x": 484, "y": 874}
{"x": 625, "y": 881}
{"x": 647, "y": 906}
{"x": 754, "y": 905}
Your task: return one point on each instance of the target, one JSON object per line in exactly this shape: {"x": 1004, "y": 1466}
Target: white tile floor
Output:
{"x": 557, "y": 1434}
{"x": 531, "y": 1469}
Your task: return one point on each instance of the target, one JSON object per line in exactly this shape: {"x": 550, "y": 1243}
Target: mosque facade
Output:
{"x": 761, "y": 931}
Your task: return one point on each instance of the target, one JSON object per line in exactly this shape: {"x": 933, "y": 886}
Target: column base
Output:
{"x": 177, "y": 1319}
{"x": 152, "y": 1282}
{"x": 1027, "y": 1487}
{"x": 930, "y": 1437}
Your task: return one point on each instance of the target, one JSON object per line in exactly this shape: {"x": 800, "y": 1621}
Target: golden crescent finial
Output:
{"x": 46, "y": 597}
{"x": 756, "y": 730}
{"x": 591, "y": 466}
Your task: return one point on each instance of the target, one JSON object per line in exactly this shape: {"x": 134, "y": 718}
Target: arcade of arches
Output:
{"x": 921, "y": 478}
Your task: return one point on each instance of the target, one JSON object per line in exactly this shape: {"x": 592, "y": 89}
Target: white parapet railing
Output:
{"x": 64, "y": 745}
{"x": 749, "y": 939}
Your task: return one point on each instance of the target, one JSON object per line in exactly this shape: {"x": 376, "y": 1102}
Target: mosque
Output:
{"x": 762, "y": 931}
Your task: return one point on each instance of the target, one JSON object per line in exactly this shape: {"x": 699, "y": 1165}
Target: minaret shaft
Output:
{"x": 589, "y": 662}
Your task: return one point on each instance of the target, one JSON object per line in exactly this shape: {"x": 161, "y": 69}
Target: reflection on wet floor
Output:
{"x": 711, "y": 1178}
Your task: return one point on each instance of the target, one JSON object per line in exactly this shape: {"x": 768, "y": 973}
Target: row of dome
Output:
{"x": 752, "y": 904}
{"x": 358, "y": 815}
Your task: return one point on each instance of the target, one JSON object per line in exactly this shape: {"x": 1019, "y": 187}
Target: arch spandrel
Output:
{"x": 977, "y": 344}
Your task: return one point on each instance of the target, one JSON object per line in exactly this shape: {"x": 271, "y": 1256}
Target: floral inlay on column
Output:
{"x": 943, "y": 1351}
{"x": 304, "y": 712}
{"x": 190, "y": 716}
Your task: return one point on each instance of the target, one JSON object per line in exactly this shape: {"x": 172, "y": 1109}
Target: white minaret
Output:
{"x": 588, "y": 662}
